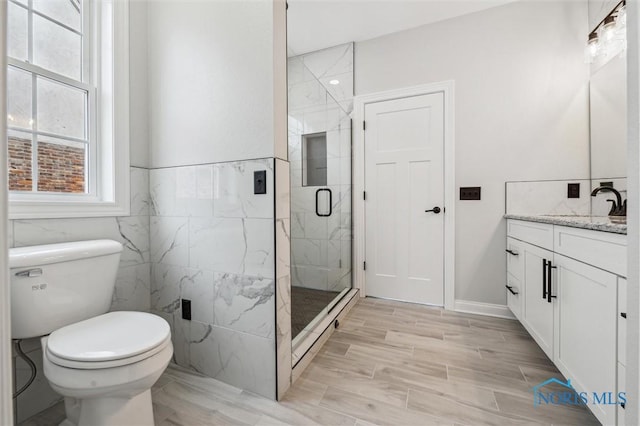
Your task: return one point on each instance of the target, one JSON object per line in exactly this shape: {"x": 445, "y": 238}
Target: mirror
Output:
{"x": 608, "y": 113}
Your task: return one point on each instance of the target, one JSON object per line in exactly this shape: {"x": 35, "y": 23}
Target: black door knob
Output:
{"x": 435, "y": 210}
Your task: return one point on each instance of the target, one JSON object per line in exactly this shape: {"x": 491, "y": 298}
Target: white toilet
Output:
{"x": 104, "y": 364}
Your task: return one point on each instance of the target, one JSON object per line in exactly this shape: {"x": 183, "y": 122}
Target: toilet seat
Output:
{"x": 110, "y": 340}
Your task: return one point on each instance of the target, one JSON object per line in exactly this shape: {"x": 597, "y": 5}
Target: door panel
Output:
{"x": 586, "y": 326}
{"x": 538, "y": 312}
{"x": 404, "y": 176}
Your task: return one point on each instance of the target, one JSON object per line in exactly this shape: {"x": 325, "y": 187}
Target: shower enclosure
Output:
{"x": 320, "y": 158}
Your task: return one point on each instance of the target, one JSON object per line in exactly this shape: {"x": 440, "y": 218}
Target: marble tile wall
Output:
{"x": 547, "y": 198}
{"x": 212, "y": 242}
{"x": 132, "y": 290}
{"x": 550, "y": 197}
{"x": 283, "y": 277}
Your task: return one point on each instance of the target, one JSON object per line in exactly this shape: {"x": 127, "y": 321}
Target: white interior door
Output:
{"x": 404, "y": 178}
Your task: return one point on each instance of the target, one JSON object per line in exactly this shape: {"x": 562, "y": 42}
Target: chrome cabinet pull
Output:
{"x": 35, "y": 272}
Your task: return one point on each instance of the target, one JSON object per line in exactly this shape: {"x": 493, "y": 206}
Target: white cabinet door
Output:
{"x": 585, "y": 346}
{"x": 537, "y": 316}
{"x": 622, "y": 387}
{"x": 622, "y": 320}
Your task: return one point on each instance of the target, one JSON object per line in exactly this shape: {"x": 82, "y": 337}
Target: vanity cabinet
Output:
{"x": 572, "y": 300}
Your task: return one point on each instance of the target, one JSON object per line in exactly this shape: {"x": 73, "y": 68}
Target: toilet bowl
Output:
{"x": 103, "y": 364}
{"x": 105, "y": 367}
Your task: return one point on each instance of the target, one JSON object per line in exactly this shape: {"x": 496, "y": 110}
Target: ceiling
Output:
{"x": 317, "y": 24}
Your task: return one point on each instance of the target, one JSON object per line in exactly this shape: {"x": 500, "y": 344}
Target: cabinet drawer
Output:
{"x": 515, "y": 254}
{"x": 514, "y": 296}
{"x": 621, "y": 388}
{"x": 601, "y": 249}
{"x": 622, "y": 321}
{"x": 538, "y": 234}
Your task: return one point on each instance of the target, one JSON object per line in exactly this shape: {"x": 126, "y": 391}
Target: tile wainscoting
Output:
{"x": 213, "y": 242}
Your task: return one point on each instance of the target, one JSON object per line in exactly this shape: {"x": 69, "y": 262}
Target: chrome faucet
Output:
{"x": 618, "y": 207}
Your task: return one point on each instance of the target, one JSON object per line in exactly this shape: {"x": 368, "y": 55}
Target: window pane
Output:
{"x": 65, "y": 11}
{"x": 56, "y": 48}
{"x": 19, "y": 147}
{"x": 60, "y": 165}
{"x": 61, "y": 109}
{"x": 17, "y": 33}
{"x": 19, "y": 98}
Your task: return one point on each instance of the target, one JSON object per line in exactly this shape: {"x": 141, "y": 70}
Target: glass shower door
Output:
{"x": 320, "y": 158}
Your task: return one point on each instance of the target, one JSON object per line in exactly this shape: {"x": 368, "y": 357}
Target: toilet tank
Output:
{"x": 55, "y": 285}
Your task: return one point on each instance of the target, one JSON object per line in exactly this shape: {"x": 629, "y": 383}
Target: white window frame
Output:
{"x": 108, "y": 124}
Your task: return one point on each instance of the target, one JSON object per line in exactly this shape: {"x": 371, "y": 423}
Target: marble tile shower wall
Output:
{"x": 212, "y": 242}
{"x": 132, "y": 290}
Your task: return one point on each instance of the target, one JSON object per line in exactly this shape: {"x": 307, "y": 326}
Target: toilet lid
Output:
{"x": 112, "y": 336}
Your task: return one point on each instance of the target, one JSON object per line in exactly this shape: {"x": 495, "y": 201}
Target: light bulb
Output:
{"x": 334, "y": 82}
{"x": 609, "y": 28}
{"x": 593, "y": 46}
{"x": 9, "y": 117}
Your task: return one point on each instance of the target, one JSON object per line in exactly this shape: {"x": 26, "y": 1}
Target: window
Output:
{"x": 67, "y": 117}
{"x": 314, "y": 159}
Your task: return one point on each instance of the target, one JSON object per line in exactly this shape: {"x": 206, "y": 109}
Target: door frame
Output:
{"x": 359, "y": 229}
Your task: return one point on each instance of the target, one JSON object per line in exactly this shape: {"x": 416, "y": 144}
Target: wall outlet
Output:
{"x": 573, "y": 190}
{"x": 470, "y": 193}
{"x": 260, "y": 182}
{"x": 186, "y": 309}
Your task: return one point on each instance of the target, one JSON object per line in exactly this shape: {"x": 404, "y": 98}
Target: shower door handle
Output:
{"x": 330, "y": 202}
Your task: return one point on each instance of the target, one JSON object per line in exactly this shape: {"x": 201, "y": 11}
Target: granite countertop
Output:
{"x": 596, "y": 223}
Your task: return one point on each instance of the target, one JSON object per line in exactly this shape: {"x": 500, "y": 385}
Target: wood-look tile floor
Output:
{"x": 389, "y": 363}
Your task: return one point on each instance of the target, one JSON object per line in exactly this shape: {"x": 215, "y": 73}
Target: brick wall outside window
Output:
{"x": 60, "y": 167}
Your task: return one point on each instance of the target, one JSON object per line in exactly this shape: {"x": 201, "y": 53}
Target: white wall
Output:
{"x": 211, "y": 85}
{"x": 521, "y": 111}
{"x": 138, "y": 105}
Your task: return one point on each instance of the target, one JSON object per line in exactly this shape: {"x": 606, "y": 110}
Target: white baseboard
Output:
{"x": 488, "y": 309}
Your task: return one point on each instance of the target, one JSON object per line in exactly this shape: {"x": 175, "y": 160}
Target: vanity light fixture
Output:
{"x": 334, "y": 82}
{"x": 609, "y": 36}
